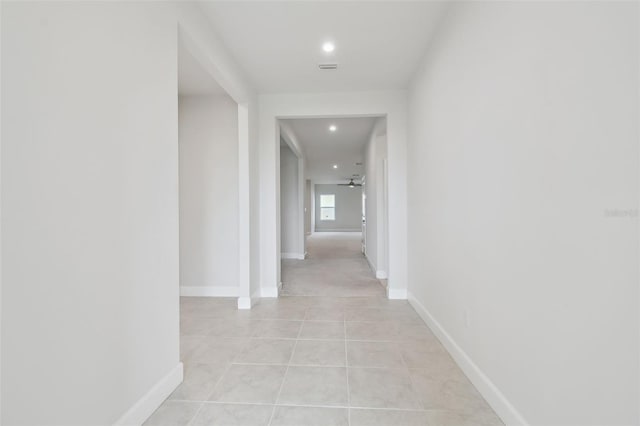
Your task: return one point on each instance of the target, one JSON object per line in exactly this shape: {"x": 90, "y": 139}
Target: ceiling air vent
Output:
{"x": 328, "y": 66}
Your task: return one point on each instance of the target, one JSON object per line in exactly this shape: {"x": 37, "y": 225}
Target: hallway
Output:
{"x": 361, "y": 360}
{"x": 335, "y": 266}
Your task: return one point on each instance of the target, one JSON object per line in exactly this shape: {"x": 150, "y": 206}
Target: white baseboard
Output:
{"x": 144, "y": 408}
{"x": 396, "y": 293}
{"x": 340, "y": 230}
{"x": 209, "y": 291}
{"x": 244, "y": 303}
{"x": 381, "y": 275}
{"x": 496, "y": 399}
{"x": 249, "y": 302}
{"x": 297, "y": 256}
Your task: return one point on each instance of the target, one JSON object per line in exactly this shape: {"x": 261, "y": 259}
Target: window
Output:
{"x": 328, "y": 207}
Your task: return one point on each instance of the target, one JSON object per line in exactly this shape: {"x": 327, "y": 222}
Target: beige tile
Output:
{"x": 452, "y": 418}
{"x": 188, "y": 345}
{"x": 199, "y": 381}
{"x": 277, "y": 329}
{"x": 374, "y": 354}
{"x": 414, "y": 331}
{"x": 365, "y": 302}
{"x": 212, "y": 350}
{"x": 447, "y": 390}
{"x": 285, "y": 311}
{"x": 216, "y": 414}
{"x": 325, "y": 314}
{"x": 195, "y": 326}
{"x": 367, "y": 314}
{"x": 211, "y": 307}
{"x": 333, "y": 284}
{"x": 364, "y": 417}
{"x": 231, "y": 327}
{"x": 173, "y": 413}
{"x": 322, "y": 330}
{"x": 377, "y": 331}
{"x": 314, "y": 386}
{"x": 319, "y": 352}
{"x": 249, "y": 384}
{"x": 424, "y": 354}
{"x": 266, "y": 351}
{"x": 310, "y": 416}
{"x": 382, "y": 388}
{"x": 404, "y": 315}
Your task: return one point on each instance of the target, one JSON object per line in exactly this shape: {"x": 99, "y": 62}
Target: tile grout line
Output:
{"x": 273, "y": 412}
{"x": 197, "y": 413}
{"x": 411, "y": 381}
{"x": 213, "y": 389}
{"x": 346, "y": 370}
{"x": 312, "y": 406}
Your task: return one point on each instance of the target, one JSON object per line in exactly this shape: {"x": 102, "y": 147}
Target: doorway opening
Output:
{"x": 332, "y": 206}
{"x": 208, "y": 135}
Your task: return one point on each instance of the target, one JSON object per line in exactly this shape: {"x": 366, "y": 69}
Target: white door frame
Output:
{"x": 393, "y": 106}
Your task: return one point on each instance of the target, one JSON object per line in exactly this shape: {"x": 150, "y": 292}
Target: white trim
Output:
{"x": 297, "y": 256}
{"x": 269, "y": 292}
{"x": 396, "y": 293}
{"x": 249, "y": 302}
{"x": 382, "y": 275}
{"x": 244, "y": 204}
{"x": 209, "y": 291}
{"x": 244, "y": 303}
{"x": 496, "y": 399}
{"x": 144, "y": 408}
{"x": 339, "y": 230}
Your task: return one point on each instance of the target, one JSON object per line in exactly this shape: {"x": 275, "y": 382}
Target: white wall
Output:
{"x": 523, "y": 159}
{"x": 250, "y": 244}
{"x": 208, "y": 142}
{"x": 307, "y": 207}
{"x": 391, "y": 104}
{"x": 375, "y": 154}
{"x": 289, "y": 203}
{"x": 90, "y": 209}
{"x": 348, "y": 208}
{"x": 90, "y": 175}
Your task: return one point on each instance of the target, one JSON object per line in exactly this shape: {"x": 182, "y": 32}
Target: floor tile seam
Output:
{"x": 312, "y": 339}
{"x": 280, "y": 364}
{"x": 293, "y": 351}
{"x": 388, "y": 341}
{"x": 213, "y": 388}
{"x": 196, "y": 414}
{"x": 358, "y": 407}
{"x": 346, "y": 361}
{"x": 411, "y": 381}
{"x": 347, "y": 366}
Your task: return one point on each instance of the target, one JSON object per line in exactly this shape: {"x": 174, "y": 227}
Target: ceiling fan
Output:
{"x": 351, "y": 184}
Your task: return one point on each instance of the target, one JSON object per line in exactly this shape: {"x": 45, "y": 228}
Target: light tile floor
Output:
{"x": 317, "y": 360}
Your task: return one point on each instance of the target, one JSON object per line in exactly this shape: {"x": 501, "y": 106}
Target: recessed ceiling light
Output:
{"x": 333, "y": 128}
{"x": 328, "y": 47}
{"x": 335, "y": 166}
